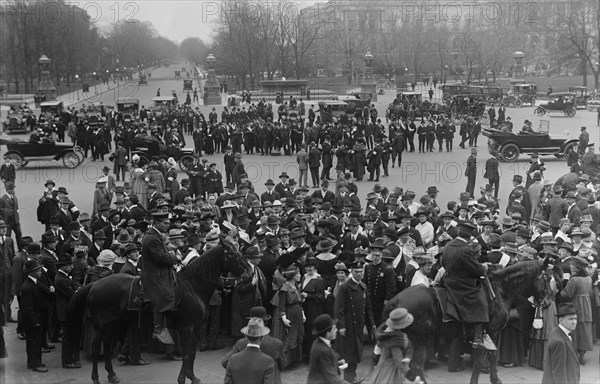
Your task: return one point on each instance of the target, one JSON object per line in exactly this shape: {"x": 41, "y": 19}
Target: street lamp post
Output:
{"x": 77, "y": 85}
{"x": 212, "y": 94}
{"x": 46, "y": 86}
{"x": 368, "y": 84}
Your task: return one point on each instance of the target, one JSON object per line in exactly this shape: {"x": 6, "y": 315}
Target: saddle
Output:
{"x": 135, "y": 299}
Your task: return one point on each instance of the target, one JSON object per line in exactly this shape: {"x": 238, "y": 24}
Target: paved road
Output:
{"x": 419, "y": 171}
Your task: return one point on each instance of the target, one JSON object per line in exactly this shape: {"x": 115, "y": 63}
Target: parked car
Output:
{"x": 128, "y": 108}
{"x": 565, "y": 102}
{"x": 508, "y": 146}
{"x": 16, "y": 119}
{"x": 521, "y": 93}
{"x": 147, "y": 146}
{"x": 23, "y": 152}
{"x": 582, "y": 95}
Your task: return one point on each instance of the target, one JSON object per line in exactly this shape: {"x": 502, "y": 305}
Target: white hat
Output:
{"x": 277, "y": 203}
{"x": 135, "y": 158}
{"x": 103, "y": 179}
{"x": 172, "y": 162}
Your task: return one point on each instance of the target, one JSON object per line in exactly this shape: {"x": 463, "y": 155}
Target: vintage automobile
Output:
{"x": 449, "y": 90}
{"x": 56, "y": 108}
{"x": 508, "y": 146}
{"x": 23, "y": 152}
{"x": 93, "y": 117}
{"x": 143, "y": 80}
{"x": 521, "y": 93}
{"x": 188, "y": 85}
{"x": 148, "y": 146}
{"x": 565, "y": 102}
{"x": 128, "y": 108}
{"x": 16, "y": 119}
{"x": 355, "y": 103}
{"x": 494, "y": 94}
{"x": 582, "y": 95}
{"x": 332, "y": 109}
{"x": 160, "y": 102}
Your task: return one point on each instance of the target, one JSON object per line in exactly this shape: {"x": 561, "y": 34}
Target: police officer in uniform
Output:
{"x": 380, "y": 280}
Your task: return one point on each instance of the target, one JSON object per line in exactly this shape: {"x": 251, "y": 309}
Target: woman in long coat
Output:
{"x": 156, "y": 177}
{"x": 172, "y": 185}
{"x": 360, "y": 159}
{"x": 313, "y": 292}
{"x": 577, "y": 291}
{"x": 213, "y": 180}
{"x": 326, "y": 265}
{"x": 139, "y": 187}
{"x": 289, "y": 317}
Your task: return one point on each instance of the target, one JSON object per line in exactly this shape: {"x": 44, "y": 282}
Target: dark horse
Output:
{"x": 107, "y": 301}
{"x": 511, "y": 285}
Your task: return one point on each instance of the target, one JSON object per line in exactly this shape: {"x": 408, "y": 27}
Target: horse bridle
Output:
{"x": 543, "y": 275}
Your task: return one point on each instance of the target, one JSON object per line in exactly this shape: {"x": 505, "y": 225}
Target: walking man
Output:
{"x": 560, "y": 359}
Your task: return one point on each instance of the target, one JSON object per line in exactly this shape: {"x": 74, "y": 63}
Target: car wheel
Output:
{"x": 510, "y": 152}
{"x": 71, "y": 159}
{"x": 518, "y": 103}
{"x": 185, "y": 162}
{"x": 17, "y": 159}
{"x": 570, "y": 112}
{"x": 567, "y": 148}
{"x": 539, "y": 111}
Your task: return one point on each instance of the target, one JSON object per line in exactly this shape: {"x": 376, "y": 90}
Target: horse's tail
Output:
{"x": 75, "y": 314}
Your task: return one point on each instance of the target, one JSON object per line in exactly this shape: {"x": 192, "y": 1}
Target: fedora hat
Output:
{"x": 269, "y": 182}
{"x": 63, "y": 190}
{"x": 272, "y": 241}
{"x": 48, "y": 238}
{"x": 353, "y": 222}
{"x": 283, "y": 174}
{"x": 326, "y": 244}
{"x": 323, "y": 323}
{"x": 259, "y": 312}
{"x": 386, "y": 254}
{"x": 399, "y": 318}
{"x": 255, "y": 328}
{"x": 253, "y": 252}
{"x": 129, "y": 248}
{"x": 523, "y": 232}
{"x": 32, "y": 265}
{"x": 273, "y": 220}
{"x": 448, "y": 215}
{"x": 391, "y": 233}
{"x": 63, "y": 260}
{"x": 297, "y": 232}
{"x": 3, "y": 224}
{"x": 378, "y": 243}
{"x": 565, "y": 309}
{"x": 507, "y": 221}
{"x": 432, "y": 190}
{"x": 99, "y": 235}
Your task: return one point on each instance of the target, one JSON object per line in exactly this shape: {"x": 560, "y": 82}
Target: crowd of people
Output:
{"x": 325, "y": 263}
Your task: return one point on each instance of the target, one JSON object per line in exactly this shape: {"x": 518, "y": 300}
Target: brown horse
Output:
{"x": 511, "y": 285}
{"x": 106, "y": 301}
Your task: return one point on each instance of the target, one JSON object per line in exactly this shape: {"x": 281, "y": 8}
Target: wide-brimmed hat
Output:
{"x": 399, "y": 318}
{"x": 323, "y": 323}
{"x": 259, "y": 312}
{"x": 50, "y": 182}
{"x": 377, "y": 244}
{"x": 255, "y": 328}
{"x": 269, "y": 182}
{"x": 32, "y": 265}
{"x": 326, "y": 244}
{"x": 272, "y": 241}
{"x": 175, "y": 234}
{"x": 576, "y": 232}
{"x": 507, "y": 221}
{"x": 509, "y": 248}
{"x": 448, "y": 214}
{"x": 565, "y": 309}
{"x": 297, "y": 232}
{"x": 580, "y": 262}
{"x": 291, "y": 271}
{"x": 432, "y": 190}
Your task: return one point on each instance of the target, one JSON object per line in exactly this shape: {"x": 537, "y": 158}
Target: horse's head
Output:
{"x": 235, "y": 262}
{"x": 544, "y": 288}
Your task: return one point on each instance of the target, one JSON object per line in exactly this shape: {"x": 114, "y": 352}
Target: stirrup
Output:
{"x": 164, "y": 336}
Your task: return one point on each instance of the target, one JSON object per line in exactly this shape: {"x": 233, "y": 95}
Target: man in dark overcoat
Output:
{"x": 158, "y": 275}
{"x": 463, "y": 281}
{"x": 65, "y": 289}
{"x": 352, "y": 309}
{"x": 471, "y": 172}
{"x": 34, "y": 304}
{"x": 560, "y": 359}
{"x": 380, "y": 280}
{"x": 323, "y": 366}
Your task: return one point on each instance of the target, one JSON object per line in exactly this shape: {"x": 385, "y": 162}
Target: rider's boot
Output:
{"x": 161, "y": 333}
{"x": 481, "y": 339}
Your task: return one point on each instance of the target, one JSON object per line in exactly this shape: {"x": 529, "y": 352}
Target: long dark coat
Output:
{"x": 352, "y": 309}
{"x": 560, "y": 360}
{"x": 158, "y": 275}
{"x": 313, "y": 305}
{"x": 463, "y": 282}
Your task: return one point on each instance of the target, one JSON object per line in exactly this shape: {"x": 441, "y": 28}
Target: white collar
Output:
{"x": 133, "y": 262}
{"x": 565, "y": 330}
{"x": 253, "y": 345}
{"x": 33, "y": 279}
{"x": 326, "y": 341}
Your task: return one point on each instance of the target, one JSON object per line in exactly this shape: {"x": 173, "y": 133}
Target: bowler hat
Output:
{"x": 391, "y": 233}
{"x": 565, "y": 309}
{"x": 34, "y": 249}
{"x": 323, "y": 323}
{"x": 259, "y": 312}
{"x": 99, "y": 235}
{"x": 432, "y": 190}
{"x": 399, "y": 318}
{"x": 48, "y": 238}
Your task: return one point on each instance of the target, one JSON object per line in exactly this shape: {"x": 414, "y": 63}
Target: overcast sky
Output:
{"x": 174, "y": 19}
